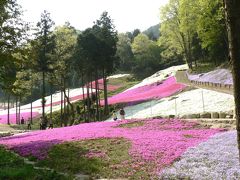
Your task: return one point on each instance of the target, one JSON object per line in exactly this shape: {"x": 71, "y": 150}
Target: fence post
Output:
{"x": 203, "y": 101}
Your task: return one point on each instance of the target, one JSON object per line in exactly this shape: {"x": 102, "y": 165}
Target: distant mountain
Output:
{"x": 153, "y": 32}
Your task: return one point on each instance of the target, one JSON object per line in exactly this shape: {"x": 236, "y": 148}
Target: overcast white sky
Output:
{"x": 127, "y": 14}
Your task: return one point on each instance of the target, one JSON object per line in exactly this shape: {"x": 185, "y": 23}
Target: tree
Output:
{"x": 177, "y": 28}
{"x": 211, "y": 28}
{"x": 44, "y": 47}
{"x": 153, "y": 32}
{"x": 124, "y": 52}
{"x": 104, "y": 30}
{"x": 12, "y": 33}
{"x": 65, "y": 42}
{"x": 147, "y": 56}
{"x": 89, "y": 51}
{"x": 232, "y": 9}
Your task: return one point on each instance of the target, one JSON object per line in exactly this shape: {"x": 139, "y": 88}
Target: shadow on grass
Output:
{"x": 13, "y": 167}
{"x": 98, "y": 158}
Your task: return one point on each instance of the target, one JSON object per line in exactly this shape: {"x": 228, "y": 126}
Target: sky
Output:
{"x": 126, "y": 14}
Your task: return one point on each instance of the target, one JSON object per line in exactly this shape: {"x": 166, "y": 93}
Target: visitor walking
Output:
{"x": 41, "y": 123}
{"x": 50, "y": 124}
{"x": 29, "y": 124}
{"x": 22, "y": 120}
{"x": 114, "y": 115}
{"x": 122, "y": 113}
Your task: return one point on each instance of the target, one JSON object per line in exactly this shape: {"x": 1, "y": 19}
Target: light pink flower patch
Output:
{"x": 95, "y": 154}
{"x": 160, "y": 141}
{"x": 110, "y": 87}
{"x": 12, "y": 117}
{"x": 147, "y": 92}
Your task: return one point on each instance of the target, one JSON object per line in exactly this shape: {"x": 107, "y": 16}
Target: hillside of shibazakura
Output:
{"x": 143, "y": 146}
{"x": 156, "y": 143}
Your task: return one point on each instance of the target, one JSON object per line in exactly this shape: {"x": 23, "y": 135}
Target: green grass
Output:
{"x": 132, "y": 124}
{"x": 34, "y": 126}
{"x": 203, "y": 68}
{"x": 123, "y": 82}
{"x": 13, "y": 167}
{"x": 111, "y": 159}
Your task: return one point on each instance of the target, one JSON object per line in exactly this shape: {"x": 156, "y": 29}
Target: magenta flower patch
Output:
{"x": 160, "y": 141}
{"x": 147, "y": 92}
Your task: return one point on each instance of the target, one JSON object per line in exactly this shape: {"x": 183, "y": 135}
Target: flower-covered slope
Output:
{"x": 216, "y": 158}
{"x": 156, "y": 90}
{"x": 221, "y": 76}
{"x": 74, "y": 94}
{"x": 12, "y": 117}
{"x": 160, "y": 140}
{"x": 185, "y": 103}
{"x": 161, "y": 75}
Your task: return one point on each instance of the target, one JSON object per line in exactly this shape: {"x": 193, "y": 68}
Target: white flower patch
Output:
{"x": 56, "y": 97}
{"x": 160, "y": 75}
{"x": 216, "y": 158}
{"x": 190, "y": 102}
{"x": 117, "y": 76}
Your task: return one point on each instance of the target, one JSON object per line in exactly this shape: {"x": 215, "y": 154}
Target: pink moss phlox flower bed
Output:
{"x": 160, "y": 141}
{"x": 147, "y": 92}
{"x": 12, "y": 117}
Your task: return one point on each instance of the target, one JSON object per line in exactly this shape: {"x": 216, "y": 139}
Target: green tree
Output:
{"x": 177, "y": 28}
{"x": 65, "y": 42}
{"x": 104, "y": 30}
{"x": 12, "y": 33}
{"x": 211, "y": 29}
{"x": 124, "y": 52}
{"x": 44, "y": 46}
{"x": 147, "y": 56}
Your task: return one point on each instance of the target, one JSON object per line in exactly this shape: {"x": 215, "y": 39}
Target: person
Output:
{"x": 41, "y": 123}
{"x": 122, "y": 113}
{"x": 29, "y": 124}
{"x": 22, "y": 120}
{"x": 114, "y": 116}
{"x": 50, "y": 124}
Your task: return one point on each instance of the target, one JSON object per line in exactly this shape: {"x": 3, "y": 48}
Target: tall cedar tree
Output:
{"x": 105, "y": 31}
{"x": 45, "y": 43}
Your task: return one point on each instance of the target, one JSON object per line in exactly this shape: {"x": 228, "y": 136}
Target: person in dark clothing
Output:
{"x": 29, "y": 124}
{"x": 22, "y": 120}
{"x": 122, "y": 113}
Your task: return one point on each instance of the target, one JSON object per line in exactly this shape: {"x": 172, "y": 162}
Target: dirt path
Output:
{"x": 6, "y": 130}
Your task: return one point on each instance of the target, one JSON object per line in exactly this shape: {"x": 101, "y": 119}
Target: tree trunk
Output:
{"x": 19, "y": 111}
{"x": 99, "y": 102}
{"x": 8, "y": 119}
{"x": 43, "y": 96}
{"x": 69, "y": 103}
{"x": 96, "y": 92}
{"x": 88, "y": 102}
{"x": 51, "y": 103}
{"x": 84, "y": 109}
{"x": 16, "y": 111}
{"x": 61, "y": 116}
{"x": 105, "y": 93}
{"x": 91, "y": 85}
{"x": 232, "y": 11}
{"x": 31, "y": 104}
